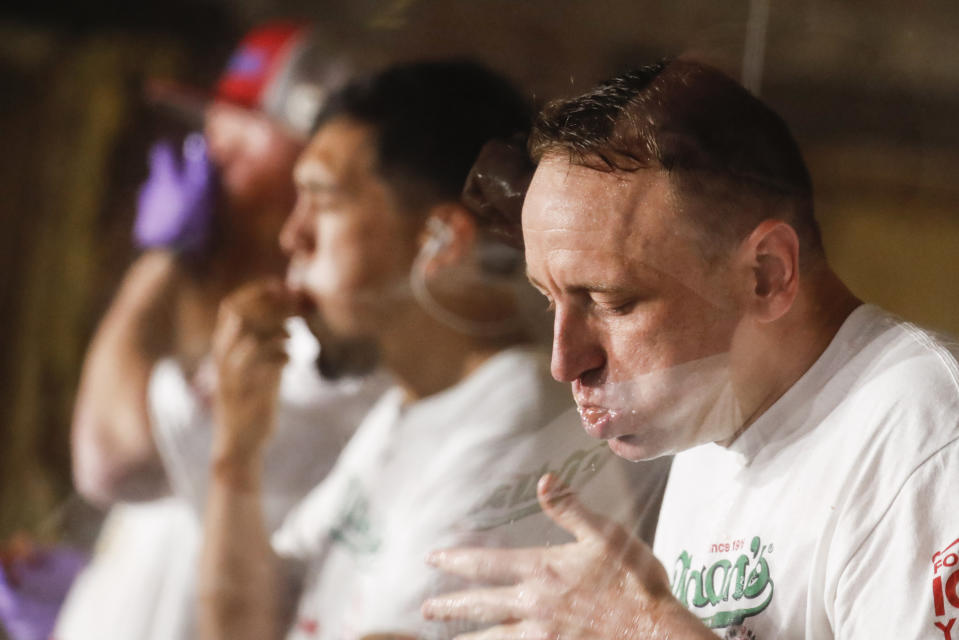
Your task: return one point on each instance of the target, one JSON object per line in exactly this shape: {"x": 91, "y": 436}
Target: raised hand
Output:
{"x": 175, "y": 205}
{"x": 249, "y": 352}
{"x": 33, "y": 585}
{"x": 607, "y": 584}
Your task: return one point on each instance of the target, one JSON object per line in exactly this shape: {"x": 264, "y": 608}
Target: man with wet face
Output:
{"x": 669, "y": 223}
{"x": 386, "y": 260}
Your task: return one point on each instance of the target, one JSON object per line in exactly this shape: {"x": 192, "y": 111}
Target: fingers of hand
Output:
{"x": 496, "y": 604}
{"x": 254, "y": 359}
{"x": 229, "y": 327}
{"x": 195, "y": 153}
{"x": 258, "y": 311}
{"x": 500, "y": 566}
{"x": 263, "y": 306}
{"x": 245, "y": 396}
{"x": 562, "y": 505}
{"x": 163, "y": 161}
{"x": 525, "y": 630}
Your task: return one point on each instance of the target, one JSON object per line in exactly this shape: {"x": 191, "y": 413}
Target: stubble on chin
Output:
{"x": 347, "y": 358}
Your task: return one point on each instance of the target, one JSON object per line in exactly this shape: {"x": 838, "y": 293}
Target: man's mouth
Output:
{"x": 303, "y": 304}
{"x": 597, "y": 421}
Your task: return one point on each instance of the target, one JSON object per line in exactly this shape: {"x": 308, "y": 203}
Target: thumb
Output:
{"x": 562, "y": 506}
{"x": 197, "y": 167}
{"x": 163, "y": 160}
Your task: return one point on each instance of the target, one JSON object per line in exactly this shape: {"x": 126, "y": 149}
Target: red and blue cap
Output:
{"x": 260, "y": 58}
{"x": 280, "y": 69}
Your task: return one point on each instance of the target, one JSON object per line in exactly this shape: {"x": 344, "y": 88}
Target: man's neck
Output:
{"x": 783, "y": 351}
{"x": 427, "y": 357}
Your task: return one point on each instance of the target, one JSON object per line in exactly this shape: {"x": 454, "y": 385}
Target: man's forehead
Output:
{"x": 581, "y": 224}
{"x": 339, "y": 149}
{"x": 310, "y": 169}
{"x": 573, "y": 196}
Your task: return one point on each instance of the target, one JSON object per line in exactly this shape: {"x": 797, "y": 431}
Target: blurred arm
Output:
{"x": 240, "y": 576}
{"x": 114, "y": 454}
{"x": 241, "y": 583}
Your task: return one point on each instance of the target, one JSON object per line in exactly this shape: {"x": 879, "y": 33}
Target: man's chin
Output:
{"x": 347, "y": 358}
{"x": 341, "y": 356}
{"x": 633, "y": 448}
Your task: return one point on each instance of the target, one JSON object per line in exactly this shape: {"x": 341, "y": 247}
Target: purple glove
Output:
{"x": 175, "y": 207}
{"x": 32, "y": 590}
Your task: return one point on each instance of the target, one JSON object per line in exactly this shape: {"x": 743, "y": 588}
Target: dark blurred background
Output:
{"x": 870, "y": 88}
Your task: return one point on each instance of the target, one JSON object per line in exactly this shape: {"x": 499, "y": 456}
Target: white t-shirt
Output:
{"x": 457, "y": 468}
{"x": 141, "y": 577}
{"x": 834, "y": 515}
{"x": 142, "y": 582}
{"x": 315, "y": 419}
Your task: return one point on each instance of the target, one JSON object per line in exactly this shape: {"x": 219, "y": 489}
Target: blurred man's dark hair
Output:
{"x": 714, "y": 138}
{"x": 430, "y": 120}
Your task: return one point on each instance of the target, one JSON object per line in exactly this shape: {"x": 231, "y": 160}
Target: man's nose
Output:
{"x": 297, "y": 235}
{"x": 575, "y": 349}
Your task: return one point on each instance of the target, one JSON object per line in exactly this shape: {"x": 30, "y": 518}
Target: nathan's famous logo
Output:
{"x": 945, "y": 587}
{"x": 745, "y": 582}
{"x": 517, "y": 499}
{"x": 352, "y": 526}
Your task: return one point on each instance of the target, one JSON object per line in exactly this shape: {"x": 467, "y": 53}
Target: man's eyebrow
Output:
{"x": 586, "y": 287}
{"x": 598, "y": 287}
{"x": 313, "y": 176}
{"x": 533, "y": 281}
{"x": 316, "y": 185}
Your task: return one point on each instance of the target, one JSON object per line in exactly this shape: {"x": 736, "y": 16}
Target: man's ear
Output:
{"x": 449, "y": 234}
{"x": 772, "y": 255}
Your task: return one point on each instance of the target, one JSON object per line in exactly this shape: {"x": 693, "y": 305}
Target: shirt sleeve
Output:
{"x": 180, "y": 420}
{"x": 903, "y": 580}
{"x": 302, "y": 535}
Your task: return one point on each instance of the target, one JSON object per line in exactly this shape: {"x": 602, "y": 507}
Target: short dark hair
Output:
{"x": 430, "y": 120}
{"x": 714, "y": 138}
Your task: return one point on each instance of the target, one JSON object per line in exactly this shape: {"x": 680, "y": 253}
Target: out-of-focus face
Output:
{"x": 255, "y": 159}
{"x": 350, "y": 246}
{"x": 643, "y": 326}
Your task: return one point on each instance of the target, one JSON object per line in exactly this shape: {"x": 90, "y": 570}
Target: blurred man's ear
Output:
{"x": 771, "y": 255}
{"x": 448, "y": 236}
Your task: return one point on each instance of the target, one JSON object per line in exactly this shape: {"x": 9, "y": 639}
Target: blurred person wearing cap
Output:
{"x": 207, "y": 221}
{"x": 385, "y": 253}
{"x": 670, "y": 224}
